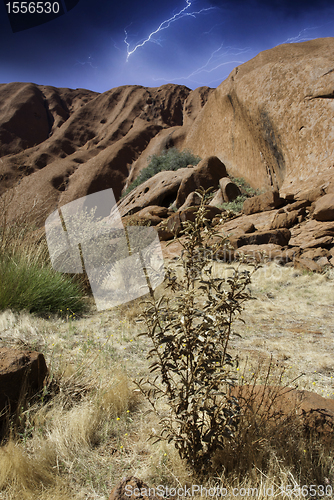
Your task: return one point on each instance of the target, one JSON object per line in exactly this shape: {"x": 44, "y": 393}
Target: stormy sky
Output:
{"x": 101, "y": 44}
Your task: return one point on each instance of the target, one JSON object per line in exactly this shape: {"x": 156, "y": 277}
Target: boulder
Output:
{"x": 318, "y": 242}
{"x": 191, "y": 200}
{"x": 154, "y": 214}
{"x": 160, "y": 190}
{"x": 289, "y": 255}
{"x": 174, "y": 223}
{"x": 310, "y": 233}
{"x": 323, "y": 262}
{"x": 285, "y": 219}
{"x": 132, "y": 488}
{"x": 262, "y": 202}
{"x": 229, "y": 189}
{"x": 260, "y": 253}
{"x": 217, "y": 200}
{"x": 163, "y": 233}
{"x": 21, "y": 373}
{"x": 324, "y": 208}
{"x": 314, "y": 412}
{"x": 276, "y": 236}
{"x": 261, "y": 222}
{"x": 316, "y": 253}
{"x": 154, "y": 210}
{"x": 206, "y": 174}
{"x": 297, "y": 205}
{"x": 306, "y": 264}
{"x": 316, "y": 187}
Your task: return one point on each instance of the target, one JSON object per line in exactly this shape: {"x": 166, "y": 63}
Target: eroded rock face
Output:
{"x": 279, "y": 237}
{"x": 58, "y": 145}
{"x": 270, "y": 121}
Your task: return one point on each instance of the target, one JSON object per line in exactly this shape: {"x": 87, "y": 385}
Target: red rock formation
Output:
{"x": 58, "y": 145}
{"x": 270, "y": 121}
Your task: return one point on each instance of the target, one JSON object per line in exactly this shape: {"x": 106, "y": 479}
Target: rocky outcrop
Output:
{"x": 323, "y": 208}
{"x": 206, "y": 174}
{"x": 268, "y": 122}
{"x": 172, "y": 188}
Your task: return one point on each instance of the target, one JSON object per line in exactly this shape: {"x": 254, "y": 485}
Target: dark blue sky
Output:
{"x": 87, "y": 46}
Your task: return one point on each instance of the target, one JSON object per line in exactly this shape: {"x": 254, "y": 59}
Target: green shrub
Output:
{"x": 235, "y": 205}
{"x": 169, "y": 159}
{"x": 190, "y": 333}
{"x": 246, "y": 192}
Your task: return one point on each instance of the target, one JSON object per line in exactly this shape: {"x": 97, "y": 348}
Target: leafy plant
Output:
{"x": 234, "y": 206}
{"x": 246, "y": 189}
{"x": 169, "y": 159}
{"x": 190, "y": 334}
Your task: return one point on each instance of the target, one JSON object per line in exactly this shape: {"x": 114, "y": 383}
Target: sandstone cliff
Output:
{"x": 271, "y": 120}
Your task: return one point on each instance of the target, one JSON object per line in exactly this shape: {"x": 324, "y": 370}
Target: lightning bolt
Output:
{"x": 89, "y": 62}
{"x": 164, "y": 25}
{"x": 301, "y": 36}
{"x": 208, "y": 68}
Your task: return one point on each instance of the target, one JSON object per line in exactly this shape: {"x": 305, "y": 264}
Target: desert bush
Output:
{"x": 169, "y": 159}
{"x": 246, "y": 192}
{"x": 246, "y": 189}
{"x": 190, "y": 333}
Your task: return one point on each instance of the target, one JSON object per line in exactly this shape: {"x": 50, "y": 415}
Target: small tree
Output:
{"x": 190, "y": 333}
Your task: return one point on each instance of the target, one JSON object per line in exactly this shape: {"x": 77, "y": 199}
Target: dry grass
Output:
{"x": 89, "y": 429}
